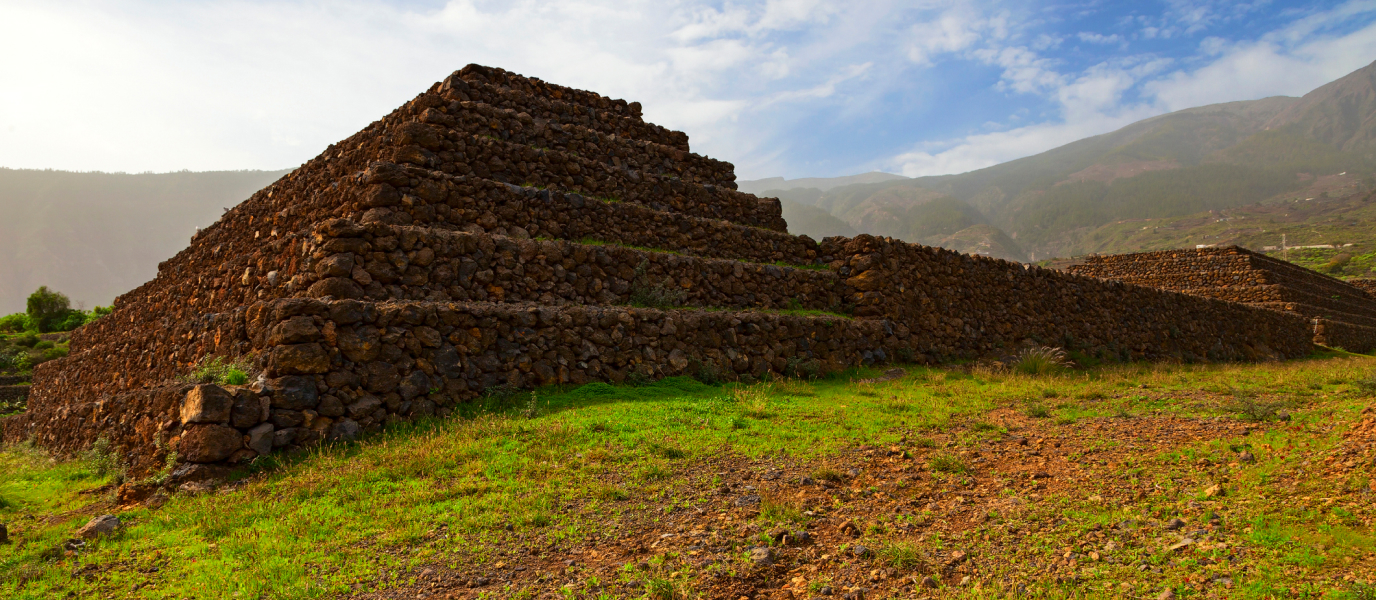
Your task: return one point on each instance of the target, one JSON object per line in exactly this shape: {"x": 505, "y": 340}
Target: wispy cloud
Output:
{"x": 1290, "y": 60}
{"x": 793, "y": 87}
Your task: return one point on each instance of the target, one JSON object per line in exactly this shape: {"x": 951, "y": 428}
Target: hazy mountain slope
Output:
{"x": 812, "y": 221}
{"x": 761, "y": 187}
{"x": 1341, "y": 113}
{"x": 981, "y": 239}
{"x": 94, "y": 236}
{"x": 1201, "y": 159}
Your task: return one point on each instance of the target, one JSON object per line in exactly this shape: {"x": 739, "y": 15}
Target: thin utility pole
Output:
{"x": 1284, "y": 248}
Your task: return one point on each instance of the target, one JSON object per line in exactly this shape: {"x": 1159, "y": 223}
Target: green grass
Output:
{"x": 350, "y": 518}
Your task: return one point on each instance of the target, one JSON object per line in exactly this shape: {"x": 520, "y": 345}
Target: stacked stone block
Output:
{"x": 503, "y": 231}
{"x": 1343, "y": 314}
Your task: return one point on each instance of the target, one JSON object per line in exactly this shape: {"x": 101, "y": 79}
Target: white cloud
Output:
{"x": 953, "y": 31}
{"x": 1098, "y": 38}
{"x": 1090, "y": 104}
{"x": 1289, "y": 61}
{"x": 141, "y": 85}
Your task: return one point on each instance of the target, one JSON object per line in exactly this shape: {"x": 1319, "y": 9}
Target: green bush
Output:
{"x": 43, "y": 345}
{"x": 74, "y": 319}
{"x": 27, "y": 341}
{"x": 14, "y": 323}
{"x": 98, "y": 312}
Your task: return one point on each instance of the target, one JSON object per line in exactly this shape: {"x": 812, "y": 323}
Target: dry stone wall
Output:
{"x": 496, "y": 230}
{"x": 1235, "y": 274}
{"x": 960, "y": 305}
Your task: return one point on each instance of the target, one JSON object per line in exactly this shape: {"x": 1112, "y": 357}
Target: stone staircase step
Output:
{"x": 475, "y": 203}
{"x": 610, "y": 150}
{"x": 1312, "y": 312}
{"x": 561, "y": 104}
{"x": 1285, "y": 293}
{"x": 387, "y": 262}
{"x": 521, "y": 164}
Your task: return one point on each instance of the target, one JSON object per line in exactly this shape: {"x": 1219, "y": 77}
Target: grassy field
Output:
{"x": 1227, "y": 481}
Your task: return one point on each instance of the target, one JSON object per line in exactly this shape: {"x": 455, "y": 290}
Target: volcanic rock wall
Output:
{"x": 499, "y": 230}
{"x": 1348, "y": 312}
{"x": 961, "y": 305}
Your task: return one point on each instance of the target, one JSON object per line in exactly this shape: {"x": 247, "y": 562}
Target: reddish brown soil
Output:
{"x": 1011, "y": 475}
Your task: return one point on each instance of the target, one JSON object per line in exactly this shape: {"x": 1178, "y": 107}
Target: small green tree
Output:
{"x": 48, "y": 308}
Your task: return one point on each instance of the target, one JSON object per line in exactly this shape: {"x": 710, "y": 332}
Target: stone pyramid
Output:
{"x": 1344, "y": 313}
{"x": 498, "y": 230}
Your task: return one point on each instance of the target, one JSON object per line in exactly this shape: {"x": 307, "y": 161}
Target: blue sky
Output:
{"x": 795, "y": 88}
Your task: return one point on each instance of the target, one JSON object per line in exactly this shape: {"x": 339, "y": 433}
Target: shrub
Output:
{"x": 901, "y": 554}
{"x": 706, "y": 373}
{"x": 1367, "y": 386}
{"x": 98, "y": 312}
{"x": 28, "y": 340}
{"x": 9, "y": 359}
{"x": 103, "y": 460}
{"x": 1041, "y": 360}
{"x": 43, "y": 345}
{"x": 828, "y": 474}
{"x": 803, "y": 369}
{"x": 780, "y": 509}
{"x": 14, "y": 323}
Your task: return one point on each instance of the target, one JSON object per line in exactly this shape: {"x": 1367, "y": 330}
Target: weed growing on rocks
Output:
{"x": 221, "y": 371}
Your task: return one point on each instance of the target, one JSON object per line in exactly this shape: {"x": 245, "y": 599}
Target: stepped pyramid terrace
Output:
{"x": 499, "y": 230}
{"x": 1344, "y": 314}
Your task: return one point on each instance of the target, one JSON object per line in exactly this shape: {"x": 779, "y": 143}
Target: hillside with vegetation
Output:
{"x": 98, "y": 235}
{"x": 1073, "y": 199}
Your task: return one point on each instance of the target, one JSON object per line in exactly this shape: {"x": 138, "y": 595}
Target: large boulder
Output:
{"x": 207, "y": 404}
{"x": 209, "y": 443}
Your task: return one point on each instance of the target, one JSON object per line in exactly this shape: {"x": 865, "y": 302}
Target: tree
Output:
{"x": 48, "y": 308}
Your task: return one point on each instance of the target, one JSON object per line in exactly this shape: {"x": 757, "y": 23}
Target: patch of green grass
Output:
{"x": 947, "y": 462}
{"x": 318, "y": 523}
{"x": 903, "y": 555}
{"x": 779, "y": 509}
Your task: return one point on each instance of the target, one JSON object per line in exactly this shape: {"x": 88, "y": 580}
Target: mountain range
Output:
{"x": 1056, "y": 203}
